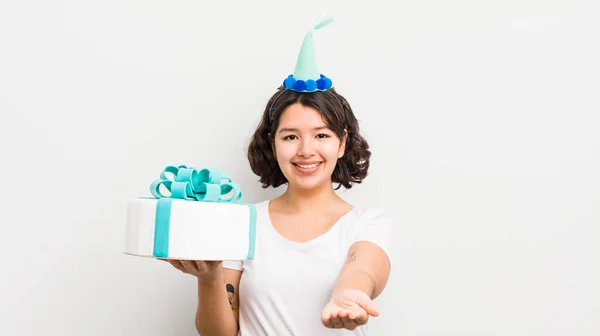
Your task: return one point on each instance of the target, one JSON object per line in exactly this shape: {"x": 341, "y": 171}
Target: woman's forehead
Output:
{"x": 302, "y": 120}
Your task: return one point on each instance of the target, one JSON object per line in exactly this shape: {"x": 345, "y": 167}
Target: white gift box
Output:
{"x": 174, "y": 228}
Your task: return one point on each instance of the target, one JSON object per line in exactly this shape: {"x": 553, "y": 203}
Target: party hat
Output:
{"x": 306, "y": 76}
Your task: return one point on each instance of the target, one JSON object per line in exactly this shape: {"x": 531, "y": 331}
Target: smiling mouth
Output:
{"x": 308, "y": 166}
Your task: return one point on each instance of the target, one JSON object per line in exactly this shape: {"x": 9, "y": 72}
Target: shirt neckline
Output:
{"x": 312, "y": 241}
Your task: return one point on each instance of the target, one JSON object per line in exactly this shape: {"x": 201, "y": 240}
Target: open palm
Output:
{"x": 348, "y": 309}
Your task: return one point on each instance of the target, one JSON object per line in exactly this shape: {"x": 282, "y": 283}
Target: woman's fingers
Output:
{"x": 359, "y": 318}
{"x": 349, "y": 323}
{"x": 183, "y": 265}
{"x": 177, "y": 264}
{"x": 327, "y": 317}
{"x": 345, "y": 319}
{"x": 335, "y": 321}
{"x": 205, "y": 266}
{"x": 194, "y": 267}
{"x": 190, "y": 266}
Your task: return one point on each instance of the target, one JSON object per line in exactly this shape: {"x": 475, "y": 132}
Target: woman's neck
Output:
{"x": 301, "y": 200}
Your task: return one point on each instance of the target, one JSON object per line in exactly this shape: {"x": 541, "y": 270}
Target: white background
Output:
{"x": 483, "y": 119}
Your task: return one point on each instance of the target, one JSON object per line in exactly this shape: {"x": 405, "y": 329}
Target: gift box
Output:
{"x": 201, "y": 217}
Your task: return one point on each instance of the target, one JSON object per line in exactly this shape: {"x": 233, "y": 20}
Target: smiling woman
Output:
{"x": 310, "y": 141}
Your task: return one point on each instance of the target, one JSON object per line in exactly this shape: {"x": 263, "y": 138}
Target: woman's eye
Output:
{"x": 322, "y": 136}
{"x": 289, "y": 137}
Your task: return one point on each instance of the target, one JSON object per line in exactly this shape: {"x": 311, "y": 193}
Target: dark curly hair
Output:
{"x": 338, "y": 116}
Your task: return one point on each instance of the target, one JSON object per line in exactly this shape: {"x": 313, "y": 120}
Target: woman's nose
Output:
{"x": 307, "y": 147}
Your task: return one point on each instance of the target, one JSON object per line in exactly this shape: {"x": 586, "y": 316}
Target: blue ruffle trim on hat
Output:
{"x": 321, "y": 84}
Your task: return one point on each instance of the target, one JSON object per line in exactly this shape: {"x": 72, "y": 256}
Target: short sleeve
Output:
{"x": 233, "y": 264}
{"x": 375, "y": 226}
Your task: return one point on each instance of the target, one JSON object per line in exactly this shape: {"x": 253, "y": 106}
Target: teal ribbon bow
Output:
{"x": 205, "y": 185}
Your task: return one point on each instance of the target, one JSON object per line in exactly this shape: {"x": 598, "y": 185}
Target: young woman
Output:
{"x": 319, "y": 261}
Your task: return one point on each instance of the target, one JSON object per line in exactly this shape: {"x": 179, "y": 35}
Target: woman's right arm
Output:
{"x": 218, "y": 304}
{"x": 217, "y": 296}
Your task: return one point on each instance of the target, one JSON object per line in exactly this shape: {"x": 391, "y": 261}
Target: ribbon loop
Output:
{"x": 188, "y": 183}
{"x": 233, "y": 188}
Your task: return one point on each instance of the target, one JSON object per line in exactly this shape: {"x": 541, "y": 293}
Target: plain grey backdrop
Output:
{"x": 482, "y": 116}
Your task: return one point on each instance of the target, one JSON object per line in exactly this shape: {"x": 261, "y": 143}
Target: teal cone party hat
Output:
{"x": 306, "y": 76}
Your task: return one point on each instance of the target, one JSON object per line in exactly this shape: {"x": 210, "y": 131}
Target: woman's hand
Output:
{"x": 203, "y": 270}
{"x": 348, "y": 309}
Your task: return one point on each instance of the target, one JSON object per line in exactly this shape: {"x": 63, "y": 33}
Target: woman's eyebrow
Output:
{"x": 291, "y": 129}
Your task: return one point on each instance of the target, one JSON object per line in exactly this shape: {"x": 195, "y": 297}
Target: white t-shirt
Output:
{"x": 284, "y": 289}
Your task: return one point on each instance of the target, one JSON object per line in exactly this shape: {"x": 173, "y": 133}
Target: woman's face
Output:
{"x": 305, "y": 148}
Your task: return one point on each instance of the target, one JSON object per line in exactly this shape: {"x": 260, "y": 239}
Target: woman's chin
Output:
{"x": 307, "y": 183}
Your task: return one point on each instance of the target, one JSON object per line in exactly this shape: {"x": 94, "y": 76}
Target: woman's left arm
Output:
{"x": 362, "y": 279}
{"x": 367, "y": 269}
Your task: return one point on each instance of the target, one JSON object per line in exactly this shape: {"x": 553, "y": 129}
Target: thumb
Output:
{"x": 367, "y": 304}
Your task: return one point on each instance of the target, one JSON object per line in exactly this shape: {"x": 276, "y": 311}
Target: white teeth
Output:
{"x": 308, "y": 166}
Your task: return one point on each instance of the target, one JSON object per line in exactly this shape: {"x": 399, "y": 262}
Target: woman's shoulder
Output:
{"x": 370, "y": 213}
{"x": 372, "y": 217}
{"x": 372, "y": 224}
